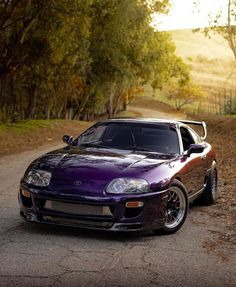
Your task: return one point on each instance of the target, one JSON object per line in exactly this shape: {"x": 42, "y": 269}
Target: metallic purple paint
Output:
{"x": 94, "y": 168}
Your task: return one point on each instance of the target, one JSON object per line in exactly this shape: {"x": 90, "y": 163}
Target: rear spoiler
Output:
{"x": 203, "y": 124}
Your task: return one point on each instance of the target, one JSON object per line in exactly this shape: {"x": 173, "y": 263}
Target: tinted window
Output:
{"x": 157, "y": 138}
{"x": 195, "y": 137}
{"x": 187, "y": 138}
{"x": 93, "y": 135}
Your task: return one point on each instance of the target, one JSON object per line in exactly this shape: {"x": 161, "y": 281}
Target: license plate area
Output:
{"x": 77, "y": 209}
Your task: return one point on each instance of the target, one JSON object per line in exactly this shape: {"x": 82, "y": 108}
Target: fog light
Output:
{"x": 134, "y": 204}
{"x": 25, "y": 193}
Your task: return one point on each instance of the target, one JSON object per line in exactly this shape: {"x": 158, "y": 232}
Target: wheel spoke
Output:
{"x": 176, "y": 207}
{"x": 175, "y": 197}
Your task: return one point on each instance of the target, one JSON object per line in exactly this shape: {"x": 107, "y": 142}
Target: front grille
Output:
{"x": 77, "y": 209}
{"x": 77, "y": 222}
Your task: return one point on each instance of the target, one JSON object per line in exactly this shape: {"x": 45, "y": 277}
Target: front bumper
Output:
{"x": 151, "y": 216}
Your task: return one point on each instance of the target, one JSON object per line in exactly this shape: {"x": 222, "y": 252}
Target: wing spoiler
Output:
{"x": 203, "y": 124}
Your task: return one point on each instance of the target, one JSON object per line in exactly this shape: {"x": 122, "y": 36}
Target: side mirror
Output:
{"x": 67, "y": 139}
{"x": 195, "y": 148}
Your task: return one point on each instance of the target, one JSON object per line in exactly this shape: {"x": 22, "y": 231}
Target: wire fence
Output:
{"x": 220, "y": 103}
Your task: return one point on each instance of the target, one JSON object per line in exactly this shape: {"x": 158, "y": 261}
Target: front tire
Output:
{"x": 210, "y": 194}
{"x": 177, "y": 208}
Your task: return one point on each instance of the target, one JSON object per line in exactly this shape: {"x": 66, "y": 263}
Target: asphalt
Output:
{"x": 36, "y": 255}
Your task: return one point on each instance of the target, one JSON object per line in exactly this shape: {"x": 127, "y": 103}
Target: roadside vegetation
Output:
{"x": 27, "y": 135}
{"x": 30, "y": 134}
{"x": 222, "y": 135}
{"x": 211, "y": 55}
{"x": 80, "y": 59}
{"x": 212, "y": 70}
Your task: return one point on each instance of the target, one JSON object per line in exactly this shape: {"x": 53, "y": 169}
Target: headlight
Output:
{"x": 38, "y": 177}
{"x": 127, "y": 185}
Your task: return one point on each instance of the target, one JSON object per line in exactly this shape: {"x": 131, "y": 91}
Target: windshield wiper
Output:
{"x": 142, "y": 149}
{"x": 135, "y": 148}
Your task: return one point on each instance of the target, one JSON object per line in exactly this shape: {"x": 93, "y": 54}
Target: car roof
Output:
{"x": 143, "y": 120}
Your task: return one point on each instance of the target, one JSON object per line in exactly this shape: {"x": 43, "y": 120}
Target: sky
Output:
{"x": 185, "y": 15}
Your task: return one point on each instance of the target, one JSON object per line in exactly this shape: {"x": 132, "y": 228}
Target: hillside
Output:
{"x": 189, "y": 44}
{"x": 211, "y": 60}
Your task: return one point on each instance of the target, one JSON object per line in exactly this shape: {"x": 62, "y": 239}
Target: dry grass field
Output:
{"x": 211, "y": 60}
{"x": 212, "y": 66}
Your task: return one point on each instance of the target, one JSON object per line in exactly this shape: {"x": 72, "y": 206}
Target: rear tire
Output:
{"x": 177, "y": 208}
{"x": 210, "y": 194}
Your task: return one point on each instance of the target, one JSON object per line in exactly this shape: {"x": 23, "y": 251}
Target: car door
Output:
{"x": 204, "y": 155}
{"x": 194, "y": 164}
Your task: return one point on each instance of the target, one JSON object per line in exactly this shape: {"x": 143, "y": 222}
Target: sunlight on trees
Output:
{"x": 80, "y": 58}
{"x": 184, "y": 94}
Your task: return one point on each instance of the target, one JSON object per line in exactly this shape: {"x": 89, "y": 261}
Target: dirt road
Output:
{"x": 151, "y": 108}
{"x": 153, "y": 113}
{"x": 45, "y": 256}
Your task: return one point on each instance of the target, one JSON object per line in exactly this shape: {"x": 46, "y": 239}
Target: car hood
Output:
{"x": 91, "y": 169}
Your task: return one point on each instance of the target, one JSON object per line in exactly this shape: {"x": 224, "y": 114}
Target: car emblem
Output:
{"x": 77, "y": 182}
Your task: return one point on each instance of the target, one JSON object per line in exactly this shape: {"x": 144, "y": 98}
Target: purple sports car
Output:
{"x": 122, "y": 175}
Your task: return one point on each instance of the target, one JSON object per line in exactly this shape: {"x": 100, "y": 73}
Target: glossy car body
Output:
{"x": 77, "y": 194}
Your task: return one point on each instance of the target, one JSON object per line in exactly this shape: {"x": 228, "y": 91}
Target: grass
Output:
{"x": 32, "y": 125}
{"x": 230, "y": 116}
{"x": 26, "y": 135}
{"x": 2, "y": 128}
{"x": 192, "y": 109}
{"x": 160, "y": 96}
{"x": 211, "y": 60}
{"x": 29, "y": 125}
{"x": 189, "y": 44}
{"x": 212, "y": 67}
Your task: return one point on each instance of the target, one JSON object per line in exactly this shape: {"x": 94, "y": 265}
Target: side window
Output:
{"x": 187, "y": 138}
{"x": 195, "y": 137}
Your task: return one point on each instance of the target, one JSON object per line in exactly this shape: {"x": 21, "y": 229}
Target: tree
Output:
{"x": 126, "y": 51}
{"x": 42, "y": 63}
{"x": 184, "y": 94}
{"x": 164, "y": 64}
{"x": 114, "y": 47}
{"x": 17, "y": 19}
{"x": 80, "y": 58}
{"x": 224, "y": 24}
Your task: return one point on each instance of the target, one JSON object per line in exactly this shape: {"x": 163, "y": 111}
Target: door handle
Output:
{"x": 203, "y": 157}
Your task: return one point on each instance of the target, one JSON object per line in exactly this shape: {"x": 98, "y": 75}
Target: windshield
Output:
{"x": 159, "y": 138}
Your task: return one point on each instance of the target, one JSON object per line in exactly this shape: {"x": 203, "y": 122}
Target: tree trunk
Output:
{"x": 230, "y": 31}
{"x": 117, "y": 99}
{"x": 59, "y": 112}
{"x": 109, "y": 105}
{"x": 48, "y": 112}
{"x": 153, "y": 92}
{"x": 125, "y": 101}
{"x": 32, "y": 101}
